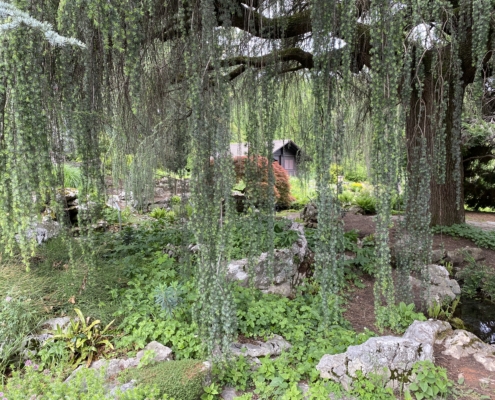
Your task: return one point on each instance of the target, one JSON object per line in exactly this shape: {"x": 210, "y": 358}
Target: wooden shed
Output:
{"x": 285, "y": 152}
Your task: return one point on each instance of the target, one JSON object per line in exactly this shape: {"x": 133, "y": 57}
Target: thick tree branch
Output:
{"x": 304, "y": 58}
{"x": 260, "y": 26}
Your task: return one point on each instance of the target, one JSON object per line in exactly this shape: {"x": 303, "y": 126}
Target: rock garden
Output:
{"x": 123, "y": 324}
{"x": 247, "y": 199}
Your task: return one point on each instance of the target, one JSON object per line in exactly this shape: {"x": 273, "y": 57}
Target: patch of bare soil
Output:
{"x": 471, "y": 379}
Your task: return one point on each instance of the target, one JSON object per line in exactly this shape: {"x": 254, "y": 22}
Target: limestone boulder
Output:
{"x": 441, "y": 289}
{"x": 388, "y": 355}
{"x": 255, "y": 349}
{"x": 426, "y": 332}
{"x": 282, "y": 276}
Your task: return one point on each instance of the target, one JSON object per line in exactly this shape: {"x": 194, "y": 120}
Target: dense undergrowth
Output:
{"x": 148, "y": 293}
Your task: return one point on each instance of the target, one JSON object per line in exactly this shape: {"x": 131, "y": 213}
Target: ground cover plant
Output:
{"x": 481, "y": 238}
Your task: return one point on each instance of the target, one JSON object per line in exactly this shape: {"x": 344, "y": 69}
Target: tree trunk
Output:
{"x": 446, "y": 207}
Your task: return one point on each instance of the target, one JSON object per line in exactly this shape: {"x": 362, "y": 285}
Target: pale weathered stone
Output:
{"x": 442, "y": 289}
{"x": 474, "y": 252}
{"x": 53, "y": 323}
{"x": 461, "y": 343}
{"x": 455, "y": 257}
{"x": 272, "y": 347}
{"x": 162, "y": 353}
{"x": 437, "y": 255}
{"x": 380, "y": 355}
{"x": 279, "y": 278}
{"x": 426, "y": 331}
{"x": 309, "y": 214}
{"x": 228, "y": 393}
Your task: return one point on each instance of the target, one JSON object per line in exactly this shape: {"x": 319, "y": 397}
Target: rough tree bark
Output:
{"x": 444, "y": 207}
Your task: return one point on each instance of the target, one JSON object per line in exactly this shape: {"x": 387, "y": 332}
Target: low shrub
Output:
{"x": 477, "y": 279}
{"x": 355, "y": 187}
{"x": 83, "y": 339}
{"x": 181, "y": 379}
{"x": 357, "y": 174}
{"x": 366, "y": 202}
{"x": 163, "y": 214}
{"x": 246, "y": 229}
{"x": 346, "y": 198}
{"x": 403, "y": 316}
{"x": 257, "y": 187}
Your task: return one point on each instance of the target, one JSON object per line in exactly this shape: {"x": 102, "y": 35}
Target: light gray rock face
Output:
{"x": 458, "y": 256}
{"x": 32, "y": 343}
{"x": 442, "y": 289}
{"x": 162, "y": 353}
{"x": 228, "y": 393}
{"x": 285, "y": 267}
{"x": 380, "y": 355}
{"x": 42, "y": 231}
{"x": 53, "y": 323}
{"x": 116, "y": 389}
{"x": 426, "y": 332}
{"x": 437, "y": 256}
{"x": 461, "y": 343}
{"x": 272, "y": 347}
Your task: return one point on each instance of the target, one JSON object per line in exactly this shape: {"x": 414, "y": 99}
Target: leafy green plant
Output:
{"x": 168, "y": 297}
{"x": 235, "y": 373}
{"x": 158, "y": 213}
{"x": 481, "y": 238}
{"x": 175, "y": 200}
{"x": 371, "y": 387}
{"x": 355, "y": 187}
{"x": 366, "y": 202}
{"x": 443, "y": 311}
{"x": 211, "y": 392}
{"x": 83, "y": 339}
{"x": 163, "y": 214}
{"x": 283, "y": 237}
{"x": 405, "y": 316}
{"x": 430, "y": 382}
{"x": 87, "y": 384}
{"x": 346, "y": 198}
{"x": 298, "y": 321}
{"x": 144, "y": 319}
{"x": 356, "y": 174}
{"x": 148, "y": 358}
{"x": 53, "y": 353}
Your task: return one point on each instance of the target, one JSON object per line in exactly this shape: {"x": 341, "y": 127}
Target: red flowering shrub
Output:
{"x": 257, "y": 180}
